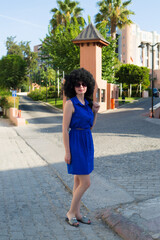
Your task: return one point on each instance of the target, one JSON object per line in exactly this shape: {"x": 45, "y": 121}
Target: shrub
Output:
{"x": 37, "y": 95}
{"x": 4, "y": 92}
{"x": 41, "y": 95}
{"x": 51, "y": 92}
{"x": 24, "y": 88}
{"x": 8, "y": 102}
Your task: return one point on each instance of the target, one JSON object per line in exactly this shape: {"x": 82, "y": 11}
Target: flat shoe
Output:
{"x": 72, "y": 222}
{"x": 84, "y": 220}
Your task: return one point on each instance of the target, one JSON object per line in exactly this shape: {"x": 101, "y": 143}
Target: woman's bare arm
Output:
{"x": 67, "y": 115}
{"x": 95, "y": 109}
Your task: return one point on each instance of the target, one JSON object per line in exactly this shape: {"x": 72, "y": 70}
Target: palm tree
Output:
{"x": 67, "y": 10}
{"x": 113, "y": 13}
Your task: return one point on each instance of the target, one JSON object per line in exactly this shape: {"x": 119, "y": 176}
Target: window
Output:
{"x": 112, "y": 94}
{"x": 157, "y": 57}
{"x": 158, "y": 51}
{"x": 147, "y": 50}
{"x": 102, "y": 95}
{"x": 98, "y": 95}
{"x": 150, "y": 59}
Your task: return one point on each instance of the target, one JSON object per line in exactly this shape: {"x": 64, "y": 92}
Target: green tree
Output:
{"x": 110, "y": 61}
{"x": 23, "y": 50}
{"x": 113, "y": 13}
{"x": 63, "y": 54}
{"x": 67, "y": 10}
{"x": 12, "y": 71}
{"x": 12, "y": 47}
{"x": 133, "y": 74}
{"x": 51, "y": 75}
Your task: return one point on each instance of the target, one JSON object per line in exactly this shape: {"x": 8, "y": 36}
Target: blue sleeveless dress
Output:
{"x": 80, "y": 139}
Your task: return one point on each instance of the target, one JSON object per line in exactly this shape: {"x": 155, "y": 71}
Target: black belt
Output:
{"x": 81, "y": 129}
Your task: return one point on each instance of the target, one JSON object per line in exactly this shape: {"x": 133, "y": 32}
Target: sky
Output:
{"x": 29, "y": 20}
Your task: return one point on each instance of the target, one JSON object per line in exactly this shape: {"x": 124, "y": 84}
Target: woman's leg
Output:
{"x": 81, "y": 184}
{"x": 76, "y": 184}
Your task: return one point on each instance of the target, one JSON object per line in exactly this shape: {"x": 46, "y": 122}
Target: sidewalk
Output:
{"x": 130, "y": 219}
{"x": 33, "y": 199}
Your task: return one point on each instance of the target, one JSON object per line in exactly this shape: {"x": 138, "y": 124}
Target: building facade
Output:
{"x": 129, "y": 39}
{"x": 38, "y": 50}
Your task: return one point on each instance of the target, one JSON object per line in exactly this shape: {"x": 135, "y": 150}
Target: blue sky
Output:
{"x": 29, "y": 20}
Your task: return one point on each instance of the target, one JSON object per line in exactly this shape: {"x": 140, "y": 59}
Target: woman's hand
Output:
{"x": 67, "y": 158}
{"x": 95, "y": 107}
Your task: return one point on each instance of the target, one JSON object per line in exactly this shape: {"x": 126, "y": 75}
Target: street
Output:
{"x": 126, "y": 144}
{"x": 126, "y": 172}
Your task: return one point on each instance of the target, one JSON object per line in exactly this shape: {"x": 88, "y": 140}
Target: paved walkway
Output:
{"x": 33, "y": 199}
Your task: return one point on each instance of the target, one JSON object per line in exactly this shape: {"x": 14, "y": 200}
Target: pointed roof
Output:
{"x": 90, "y": 34}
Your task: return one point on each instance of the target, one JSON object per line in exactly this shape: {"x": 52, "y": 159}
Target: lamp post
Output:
{"x": 45, "y": 69}
{"x": 142, "y": 45}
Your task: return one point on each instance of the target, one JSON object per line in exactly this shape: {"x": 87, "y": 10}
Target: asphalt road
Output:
{"x": 127, "y": 150}
{"x": 127, "y": 145}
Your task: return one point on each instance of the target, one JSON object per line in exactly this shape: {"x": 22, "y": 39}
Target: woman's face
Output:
{"x": 80, "y": 88}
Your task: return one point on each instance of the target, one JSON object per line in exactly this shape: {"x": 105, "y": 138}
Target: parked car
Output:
{"x": 155, "y": 92}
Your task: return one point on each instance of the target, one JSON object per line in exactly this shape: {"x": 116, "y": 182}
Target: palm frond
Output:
{"x": 126, "y": 3}
{"x": 115, "y": 12}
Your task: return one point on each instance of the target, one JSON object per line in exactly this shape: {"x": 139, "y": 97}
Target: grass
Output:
{"x": 127, "y": 100}
{"x": 58, "y": 103}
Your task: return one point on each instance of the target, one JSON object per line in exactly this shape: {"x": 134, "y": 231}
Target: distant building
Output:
{"x": 37, "y": 49}
{"x": 128, "y": 52}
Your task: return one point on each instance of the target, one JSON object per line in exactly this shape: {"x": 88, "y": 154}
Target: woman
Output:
{"x": 80, "y": 117}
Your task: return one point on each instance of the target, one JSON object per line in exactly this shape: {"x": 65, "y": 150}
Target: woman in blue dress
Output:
{"x": 79, "y": 117}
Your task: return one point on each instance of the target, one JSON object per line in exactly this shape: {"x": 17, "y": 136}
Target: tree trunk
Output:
{"x": 113, "y": 30}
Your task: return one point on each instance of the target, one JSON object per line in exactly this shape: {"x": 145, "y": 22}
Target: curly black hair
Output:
{"x": 75, "y": 76}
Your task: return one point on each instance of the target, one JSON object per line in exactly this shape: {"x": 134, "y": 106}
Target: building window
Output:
{"x": 98, "y": 95}
{"x": 146, "y": 56}
{"x": 102, "y": 95}
{"x": 147, "y": 50}
{"x": 116, "y": 94}
{"x": 112, "y": 94}
{"x": 150, "y": 59}
{"x": 157, "y": 57}
{"x": 158, "y": 51}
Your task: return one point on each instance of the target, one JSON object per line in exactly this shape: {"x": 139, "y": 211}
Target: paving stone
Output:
{"x": 34, "y": 201}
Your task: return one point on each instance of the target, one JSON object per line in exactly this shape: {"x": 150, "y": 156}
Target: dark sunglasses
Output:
{"x": 80, "y": 84}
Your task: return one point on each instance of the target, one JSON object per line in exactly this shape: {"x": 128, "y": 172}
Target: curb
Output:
{"x": 134, "y": 101}
{"x": 123, "y": 226}
{"x": 51, "y": 106}
{"x": 54, "y": 170}
{"x": 47, "y": 104}
{"x": 121, "y": 106}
